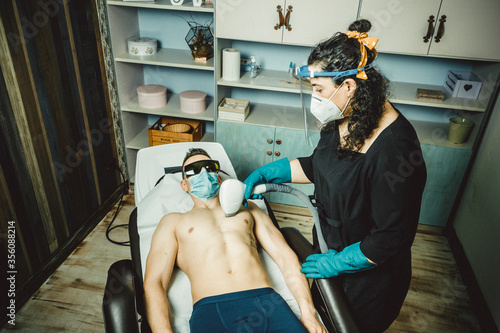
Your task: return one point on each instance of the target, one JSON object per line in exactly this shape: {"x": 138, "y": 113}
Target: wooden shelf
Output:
{"x": 172, "y": 109}
{"x": 163, "y": 4}
{"x": 169, "y": 58}
{"x": 142, "y": 139}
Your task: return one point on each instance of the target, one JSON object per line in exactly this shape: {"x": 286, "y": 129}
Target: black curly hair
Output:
{"x": 341, "y": 53}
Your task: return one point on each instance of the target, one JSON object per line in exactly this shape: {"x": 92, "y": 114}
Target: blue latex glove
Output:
{"x": 276, "y": 172}
{"x": 333, "y": 263}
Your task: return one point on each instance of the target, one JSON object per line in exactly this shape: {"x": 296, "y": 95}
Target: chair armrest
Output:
{"x": 118, "y": 306}
{"x": 328, "y": 296}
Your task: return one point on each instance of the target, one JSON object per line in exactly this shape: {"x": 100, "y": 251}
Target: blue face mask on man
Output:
{"x": 204, "y": 185}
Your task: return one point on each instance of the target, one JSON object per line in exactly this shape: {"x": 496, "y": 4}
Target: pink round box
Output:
{"x": 152, "y": 96}
{"x": 193, "y": 101}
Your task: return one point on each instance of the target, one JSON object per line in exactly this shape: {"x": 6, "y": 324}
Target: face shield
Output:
{"x": 317, "y": 110}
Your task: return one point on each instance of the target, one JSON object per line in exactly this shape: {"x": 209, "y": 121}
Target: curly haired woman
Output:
{"x": 369, "y": 176}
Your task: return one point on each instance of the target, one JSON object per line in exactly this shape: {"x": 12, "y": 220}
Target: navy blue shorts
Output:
{"x": 257, "y": 310}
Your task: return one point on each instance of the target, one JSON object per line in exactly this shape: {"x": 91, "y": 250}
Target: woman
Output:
{"x": 369, "y": 176}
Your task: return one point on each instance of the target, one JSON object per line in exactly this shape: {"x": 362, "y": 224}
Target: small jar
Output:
{"x": 152, "y": 96}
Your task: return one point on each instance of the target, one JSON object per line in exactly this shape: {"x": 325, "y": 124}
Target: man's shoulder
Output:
{"x": 170, "y": 220}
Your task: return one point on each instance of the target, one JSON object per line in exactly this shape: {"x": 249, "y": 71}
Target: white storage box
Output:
{"x": 193, "y": 101}
{"x": 234, "y": 109}
{"x": 463, "y": 84}
{"x": 152, "y": 96}
{"x": 142, "y": 46}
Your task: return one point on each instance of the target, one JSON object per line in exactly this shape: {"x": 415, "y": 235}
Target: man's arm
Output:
{"x": 276, "y": 246}
{"x": 159, "y": 266}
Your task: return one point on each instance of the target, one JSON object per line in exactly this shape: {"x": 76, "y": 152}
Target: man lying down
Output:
{"x": 230, "y": 289}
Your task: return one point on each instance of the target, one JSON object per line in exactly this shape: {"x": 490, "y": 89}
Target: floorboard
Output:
{"x": 70, "y": 300}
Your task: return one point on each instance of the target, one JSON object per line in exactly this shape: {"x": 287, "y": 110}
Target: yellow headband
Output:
{"x": 365, "y": 42}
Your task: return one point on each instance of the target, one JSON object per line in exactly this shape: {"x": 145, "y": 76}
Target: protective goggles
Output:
{"x": 196, "y": 167}
{"x": 304, "y": 71}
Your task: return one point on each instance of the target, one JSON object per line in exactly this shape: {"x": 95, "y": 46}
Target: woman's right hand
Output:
{"x": 276, "y": 172}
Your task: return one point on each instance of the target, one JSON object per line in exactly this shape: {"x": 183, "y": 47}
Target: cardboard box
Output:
{"x": 463, "y": 84}
{"x": 169, "y": 130}
{"x": 233, "y": 109}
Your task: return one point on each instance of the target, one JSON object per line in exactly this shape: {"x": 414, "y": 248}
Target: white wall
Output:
{"x": 477, "y": 222}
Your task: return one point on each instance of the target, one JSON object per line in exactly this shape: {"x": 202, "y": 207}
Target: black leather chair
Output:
{"x": 123, "y": 304}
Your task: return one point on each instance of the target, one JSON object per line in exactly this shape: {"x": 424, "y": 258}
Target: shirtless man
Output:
{"x": 230, "y": 289}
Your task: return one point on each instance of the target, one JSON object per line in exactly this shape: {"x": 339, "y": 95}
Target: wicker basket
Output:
{"x": 178, "y": 128}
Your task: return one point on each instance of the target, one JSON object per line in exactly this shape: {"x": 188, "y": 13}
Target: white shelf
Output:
{"x": 429, "y": 133}
{"x": 163, "y": 4}
{"x": 406, "y": 93}
{"x": 169, "y": 58}
{"x": 172, "y": 109}
{"x": 402, "y": 92}
{"x": 277, "y": 116}
{"x": 266, "y": 80}
{"x": 142, "y": 139}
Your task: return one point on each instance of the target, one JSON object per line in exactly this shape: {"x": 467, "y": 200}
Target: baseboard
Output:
{"x": 477, "y": 300}
{"x": 28, "y": 288}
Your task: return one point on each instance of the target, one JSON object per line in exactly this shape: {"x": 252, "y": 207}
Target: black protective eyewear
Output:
{"x": 196, "y": 167}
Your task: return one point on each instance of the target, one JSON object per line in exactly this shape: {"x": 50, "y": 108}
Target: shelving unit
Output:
{"x": 275, "y": 106}
{"x": 276, "y": 112}
{"x": 169, "y": 66}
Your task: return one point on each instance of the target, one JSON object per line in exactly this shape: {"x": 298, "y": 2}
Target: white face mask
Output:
{"x": 325, "y": 110}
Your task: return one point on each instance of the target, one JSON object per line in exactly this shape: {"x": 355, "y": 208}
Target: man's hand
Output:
{"x": 313, "y": 325}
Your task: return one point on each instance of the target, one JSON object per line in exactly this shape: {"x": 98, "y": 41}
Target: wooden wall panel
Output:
{"x": 57, "y": 131}
{"x": 17, "y": 196}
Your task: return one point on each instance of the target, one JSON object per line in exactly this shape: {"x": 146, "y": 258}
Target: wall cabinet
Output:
{"x": 291, "y": 21}
{"x": 256, "y": 145}
{"x": 447, "y": 28}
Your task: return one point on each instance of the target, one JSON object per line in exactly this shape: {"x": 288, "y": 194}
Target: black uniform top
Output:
{"x": 374, "y": 198}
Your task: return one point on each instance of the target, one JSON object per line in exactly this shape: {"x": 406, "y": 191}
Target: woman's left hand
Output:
{"x": 333, "y": 263}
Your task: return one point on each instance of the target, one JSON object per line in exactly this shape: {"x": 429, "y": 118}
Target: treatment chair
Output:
{"x": 157, "y": 192}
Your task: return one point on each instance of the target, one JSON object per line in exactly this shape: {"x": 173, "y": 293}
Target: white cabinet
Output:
{"x": 469, "y": 29}
{"x": 291, "y": 22}
{"x": 445, "y": 28}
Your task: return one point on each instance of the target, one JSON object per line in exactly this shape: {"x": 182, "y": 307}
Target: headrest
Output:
{"x": 152, "y": 161}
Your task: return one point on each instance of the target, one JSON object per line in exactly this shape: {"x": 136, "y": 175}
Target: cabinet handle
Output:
{"x": 430, "y": 29}
{"x": 278, "y": 142}
{"x": 440, "y": 32}
{"x": 269, "y": 152}
{"x": 280, "y": 17}
{"x": 277, "y": 153}
{"x": 270, "y": 141}
{"x": 287, "y": 18}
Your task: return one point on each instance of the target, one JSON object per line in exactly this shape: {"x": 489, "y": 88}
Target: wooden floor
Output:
{"x": 70, "y": 300}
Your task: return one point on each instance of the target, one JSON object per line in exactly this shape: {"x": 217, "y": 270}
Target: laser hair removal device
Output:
{"x": 232, "y": 192}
